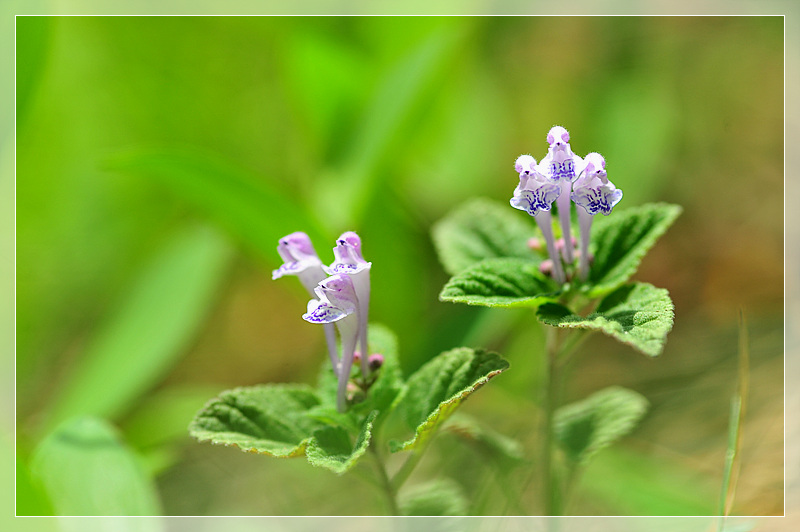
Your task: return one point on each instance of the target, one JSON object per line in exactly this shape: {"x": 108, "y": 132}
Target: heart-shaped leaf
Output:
{"x": 584, "y": 428}
{"x": 637, "y": 314}
{"x": 482, "y": 229}
{"x": 509, "y": 282}
{"x": 434, "y": 392}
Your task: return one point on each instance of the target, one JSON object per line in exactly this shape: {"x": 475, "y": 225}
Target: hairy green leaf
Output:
{"x": 267, "y": 419}
{"x": 150, "y": 329}
{"x": 584, "y": 428}
{"x": 620, "y": 242}
{"x": 333, "y": 448}
{"x": 439, "y": 497}
{"x": 482, "y": 229}
{"x": 86, "y": 469}
{"x": 434, "y": 392}
{"x": 503, "y": 282}
{"x": 637, "y": 314}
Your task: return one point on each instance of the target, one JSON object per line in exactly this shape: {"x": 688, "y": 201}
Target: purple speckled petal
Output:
{"x": 323, "y": 312}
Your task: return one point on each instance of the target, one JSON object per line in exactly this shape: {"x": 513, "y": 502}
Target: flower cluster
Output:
{"x": 340, "y": 296}
{"x": 563, "y": 177}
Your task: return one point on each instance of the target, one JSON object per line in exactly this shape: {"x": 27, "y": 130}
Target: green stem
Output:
{"x": 405, "y": 470}
{"x": 386, "y": 484}
{"x": 550, "y": 485}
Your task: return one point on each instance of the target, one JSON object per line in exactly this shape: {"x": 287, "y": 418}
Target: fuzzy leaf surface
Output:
{"x": 436, "y": 390}
{"x": 332, "y": 446}
{"x": 637, "y": 314}
{"x": 588, "y": 426}
{"x": 266, "y": 419}
{"x": 621, "y": 240}
{"x": 505, "y": 283}
{"x": 482, "y": 229}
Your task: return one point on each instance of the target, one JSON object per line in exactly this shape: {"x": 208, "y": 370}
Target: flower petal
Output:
{"x": 323, "y": 312}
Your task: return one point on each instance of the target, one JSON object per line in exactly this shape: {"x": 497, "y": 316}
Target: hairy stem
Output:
{"x": 550, "y": 484}
{"x": 388, "y": 488}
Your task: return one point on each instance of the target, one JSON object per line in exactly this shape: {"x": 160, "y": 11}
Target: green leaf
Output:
{"x": 284, "y": 421}
{"x": 484, "y": 438}
{"x": 439, "y": 497}
{"x": 150, "y": 330}
{"x": 383, "y": 391}
{"x": 637, "y": 314}
{"x": 482, "y": 229}
{"x": 620, "y": 242}
{"x": 253, "y": 210}
{"x": 86, "y": 469}
{"x": 586, "y": 427}
{"x": 509, "y": 282}
{"x": 266, "y": 419}
{"x": 434, "y": 392}
{"x": 332, "y": 446}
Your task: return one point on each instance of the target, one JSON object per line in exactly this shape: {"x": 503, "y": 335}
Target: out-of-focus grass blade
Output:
{"x": 32, "y": 42}
{"x": 87, "y": 469}
{"x": 730, "y": 473}
{"x": 31, "y": 498}
{"x": 253, "y": 211}
{"x": 150, "y": 330}
{"x": 392, "y": 107}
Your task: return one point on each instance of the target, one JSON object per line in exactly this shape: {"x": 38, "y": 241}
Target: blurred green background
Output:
{"x": 160, "y": 159}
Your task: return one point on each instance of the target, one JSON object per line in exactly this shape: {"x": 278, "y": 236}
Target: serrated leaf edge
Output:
{"x": 203, "y": 435}
{"x": 445, "y": 407}
{"x": 673, "y": 210}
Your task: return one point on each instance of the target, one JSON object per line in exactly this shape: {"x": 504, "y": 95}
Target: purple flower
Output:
{"x": 561, "y": 165}
{"x": 593, "y": 193}
{"x": 535, "y": 195}
{"x": 338, "y": 303}
{"x": 350, "y": 261}
{"x": 563, "y": 177}
{"x": 300, "y": 259}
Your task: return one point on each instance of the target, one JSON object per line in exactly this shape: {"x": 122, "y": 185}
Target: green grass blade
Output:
{"x": 150, "y": 330}
{"x": 253, "y": 211}
{"x": 730, "y": 472}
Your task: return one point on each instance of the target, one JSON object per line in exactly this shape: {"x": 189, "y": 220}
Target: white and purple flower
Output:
{"x": 350, "y": 261}
{"x": 300, "y": 259}
{"x": 594, "y": 193}
{"x": 563, "y": 177}
{"x": 338, "y": 303}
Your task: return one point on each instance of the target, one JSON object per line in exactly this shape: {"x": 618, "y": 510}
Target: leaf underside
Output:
{"x": 584, "y": 428}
